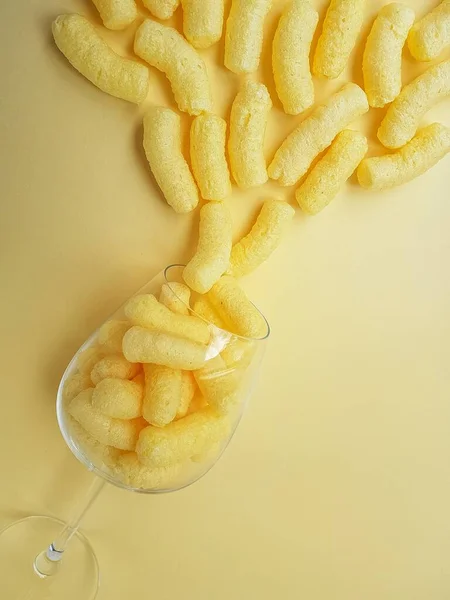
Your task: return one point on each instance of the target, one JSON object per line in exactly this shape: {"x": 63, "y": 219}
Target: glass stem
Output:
{"x": 47, "y": 562}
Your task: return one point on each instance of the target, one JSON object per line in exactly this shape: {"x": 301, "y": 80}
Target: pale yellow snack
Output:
{"x": 219, "y": 384}
{"x": 113, "y": 366}
{"x": 119, "y": 433}
{"x": 178, "y": 441}
{"x": 244, "y": 34}
{"x": 88, "y": 358}
{"x": 162, "y": 145}
{"x": 97, "y": 453}
{"x": 146, "y": 311}
{"x": 163, "y": 392}
{"x": 295, "y": 155}
{"x": 80, "y": 43}
{"x": 290, "y": 56}
{"x": 208, "y": 160}
{"x": 204, "y": 308}
{"x": 203, "y": 21}
{"x": 431, "y": 35}
{"x": 118, "y": 398}
{"x": 232, "y": 304}
{"x": 164, "y": 48}
{"x": 332, "y": 171}
{"x": 145, "y": 346}
{"x": 75, "y": 384}
{"x": 248, "y": 121}
{"x": 382, "y": 60}
{"x": 212, "y": 256}
{"x": 418, "y": 156}
{"x": 404, "y": 115}
{"x": 264, "y": 237}
{"x": 198, "y": 402}
{"x": 176, "y": 296}
{"x": 162, "y": 9}
{"x": 134, "y": 474}
{"x": 188, "y": 391}
{"x": 238, "y": 353}
{"x": 116, "y": 14}
{"x": 340, "y": 30}
{"x": 111, "y": 334}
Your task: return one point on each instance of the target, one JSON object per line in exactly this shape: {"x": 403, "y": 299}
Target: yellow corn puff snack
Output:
{"x": 341, "y": 27}
{"x": 203, "y": 21}
{"x": 382, "y": 61}
{"x": 219, "y": 384}
{"x": 429, "y": 36}
{"x": 238, "y": 353}
{"x": 86, "y": 359}
{"x": 263, "y": 239}
{"x": 404, "y": 115}
{"x": 164, "y": 48}
{"x": 146, "y": 311}
{"x": 116, "y": 14}
{"x": 176, "y": 296}
{"x": 332, "y": 171}
{"x": 248, "y": 121}
{"x": 163, "y": 390}
{"x": 188, "y": 391}
{"x": 178, "y": 441}
{"x": 208, "y": 157}
{"x": 80, "y": 43}
{"x": 232, "y": 304}
{"x": 145, "y": 346}
{"x": 418, "y": 156}
{"x": 111, "y": 334}
{"x": 212, "y": 256}
{"x": 75, "y": 384}
{"x": 97, "y": 453}
{"x": 295, "y": 155}
{"x": 204, "y": 309}
{"x": 162, "y": 145}
{"x": 136, "y": 475}
{"x": 113, "y": 366}
{"x": 162, "y": 9}
{"x": 244, "y": 34}
{"x": 290, "y": 56}
{"x": 119, "y": 433}
{"x": 118, "y": 398}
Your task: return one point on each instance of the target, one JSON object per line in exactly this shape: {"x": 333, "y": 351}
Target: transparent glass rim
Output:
{"x": 191, "y": 310}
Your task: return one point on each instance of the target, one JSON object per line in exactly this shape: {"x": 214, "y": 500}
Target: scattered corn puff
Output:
{"x": 163, "y": 392}
{"x": 203, "y": 21}
{"x": 178, "y": 441}
{"x": 162, "y": 145}
{"x": 382, "y": 61}
{"x": 176, "y": 296}
{"x": 248, "y": 121}
{"x": 212, "y": 256}
{"x": 80, "y": 43}
{"x": 164, "y": 48}
{"x": 219, "y": 384}
{"x": 146, "y": 311}
{"x": 232, "y": 304}
{"x": 113, "y": 366}
{"x": 208, "y": 157}
{"x": 136, "y": 475}
{"x": 119, "y": 433}
{"x": 341, "y": 27}
{"x": 74, "y": 385}
{"x": 204, "y": 309}
{"x": 118, "y": 398}
{"x": 162, "y": 9}
{"x": 332, "y": 171}
{"x": 290, "y": 56}
{"x": 145, "y": 346}
{"x": 429, "y": 36}
{"x": 263, "y": 239}
{"x": 315, "y": 133}
{"x": 244, "y": 34}
{"x": 111, "y": 334}
{"x": 426, "y": 149}
{"x": 404, "y": 115}
{"x": 116, "y": 14}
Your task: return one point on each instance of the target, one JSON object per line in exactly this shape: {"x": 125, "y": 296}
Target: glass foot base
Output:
{"x": 77, "y": 577}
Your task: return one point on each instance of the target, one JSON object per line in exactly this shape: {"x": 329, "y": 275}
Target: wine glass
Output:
{"x": 208, "y": 411}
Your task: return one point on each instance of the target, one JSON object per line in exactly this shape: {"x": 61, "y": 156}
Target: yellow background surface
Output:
{"x": 337, "y": 484}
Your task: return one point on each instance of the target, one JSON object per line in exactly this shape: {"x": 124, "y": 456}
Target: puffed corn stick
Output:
{"x": 165, "y": 390}
{"x": 203, "y": 21}
{"x": 176, "y": 296}
{"x": 80, "y": 43}
{"x": 162, "y": 9}
{"x": 429, "y": 36}
{"x": 116, "y": 14}
{"x": 113, "y": 366}
{"x": 111, "y": 334}
{"x": 332, "y": 171}
{"x": 134, "y": 474}
{"x": 204, "y": 309}
{"x": 118, "y": 398}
